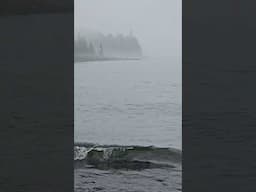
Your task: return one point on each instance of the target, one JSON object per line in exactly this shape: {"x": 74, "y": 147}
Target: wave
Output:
{"x": 125, "y": 157}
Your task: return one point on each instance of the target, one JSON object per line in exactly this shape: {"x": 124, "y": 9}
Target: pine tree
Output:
{"x": 91, "y": 49}
{"x": 101, "y": 53}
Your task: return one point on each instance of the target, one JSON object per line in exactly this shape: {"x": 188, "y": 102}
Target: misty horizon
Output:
{"x": 156, "y": 25}
{"x": 100, "y": 46}
{"x": 128, "y": 95}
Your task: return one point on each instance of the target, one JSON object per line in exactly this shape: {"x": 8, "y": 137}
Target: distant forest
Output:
{"x": 106, "y": 46}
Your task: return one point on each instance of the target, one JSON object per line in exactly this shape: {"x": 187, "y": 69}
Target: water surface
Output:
{"x": 129, "y": 102}
{"x": 121, "y": 107}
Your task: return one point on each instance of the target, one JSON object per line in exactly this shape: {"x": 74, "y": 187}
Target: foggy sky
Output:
{"x": 156, "y": 23}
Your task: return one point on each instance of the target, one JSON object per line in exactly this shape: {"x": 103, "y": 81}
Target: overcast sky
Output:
{"x": 156, "y": 23}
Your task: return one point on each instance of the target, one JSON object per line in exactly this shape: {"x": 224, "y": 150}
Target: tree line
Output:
{"x": 108, "y": 46}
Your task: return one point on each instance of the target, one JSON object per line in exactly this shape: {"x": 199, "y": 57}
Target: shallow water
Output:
{"x": 121, "y": 106}
{"x": 126, "y": 168}
{"x": 157, "y": 180}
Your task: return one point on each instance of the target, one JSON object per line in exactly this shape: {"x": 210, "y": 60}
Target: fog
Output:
{"x": 156, "y": 23}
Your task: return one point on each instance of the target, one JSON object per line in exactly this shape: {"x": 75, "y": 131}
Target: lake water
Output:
{"x": 129, "y": 102}
{"x": 121, "y": 107}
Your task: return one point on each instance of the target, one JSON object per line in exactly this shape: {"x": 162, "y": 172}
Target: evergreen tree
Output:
{"x": 101, "y": 53}
{"x": 91, "y": 50}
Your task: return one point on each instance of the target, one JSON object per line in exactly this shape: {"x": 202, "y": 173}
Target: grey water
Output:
{"x": 129, "y": 103}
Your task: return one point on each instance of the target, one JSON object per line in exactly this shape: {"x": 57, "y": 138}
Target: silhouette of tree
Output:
{"x": 101, "y": 53}
{"x": 114, "y": 46}
{"x": 91, "y": 49}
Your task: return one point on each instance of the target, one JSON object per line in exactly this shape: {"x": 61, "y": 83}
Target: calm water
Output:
{"x": 129, "y": 102}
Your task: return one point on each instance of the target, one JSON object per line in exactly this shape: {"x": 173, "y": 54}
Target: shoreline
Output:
{"x": 89, "y": 59}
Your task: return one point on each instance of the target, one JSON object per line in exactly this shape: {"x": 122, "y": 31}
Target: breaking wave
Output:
{"x": 125, "y": 157}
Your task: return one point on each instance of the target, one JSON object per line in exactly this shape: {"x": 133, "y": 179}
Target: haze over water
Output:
{"x": 129, "y": 102}
{"x": 124, "y": 106}
{"x": 157, "y": 24}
